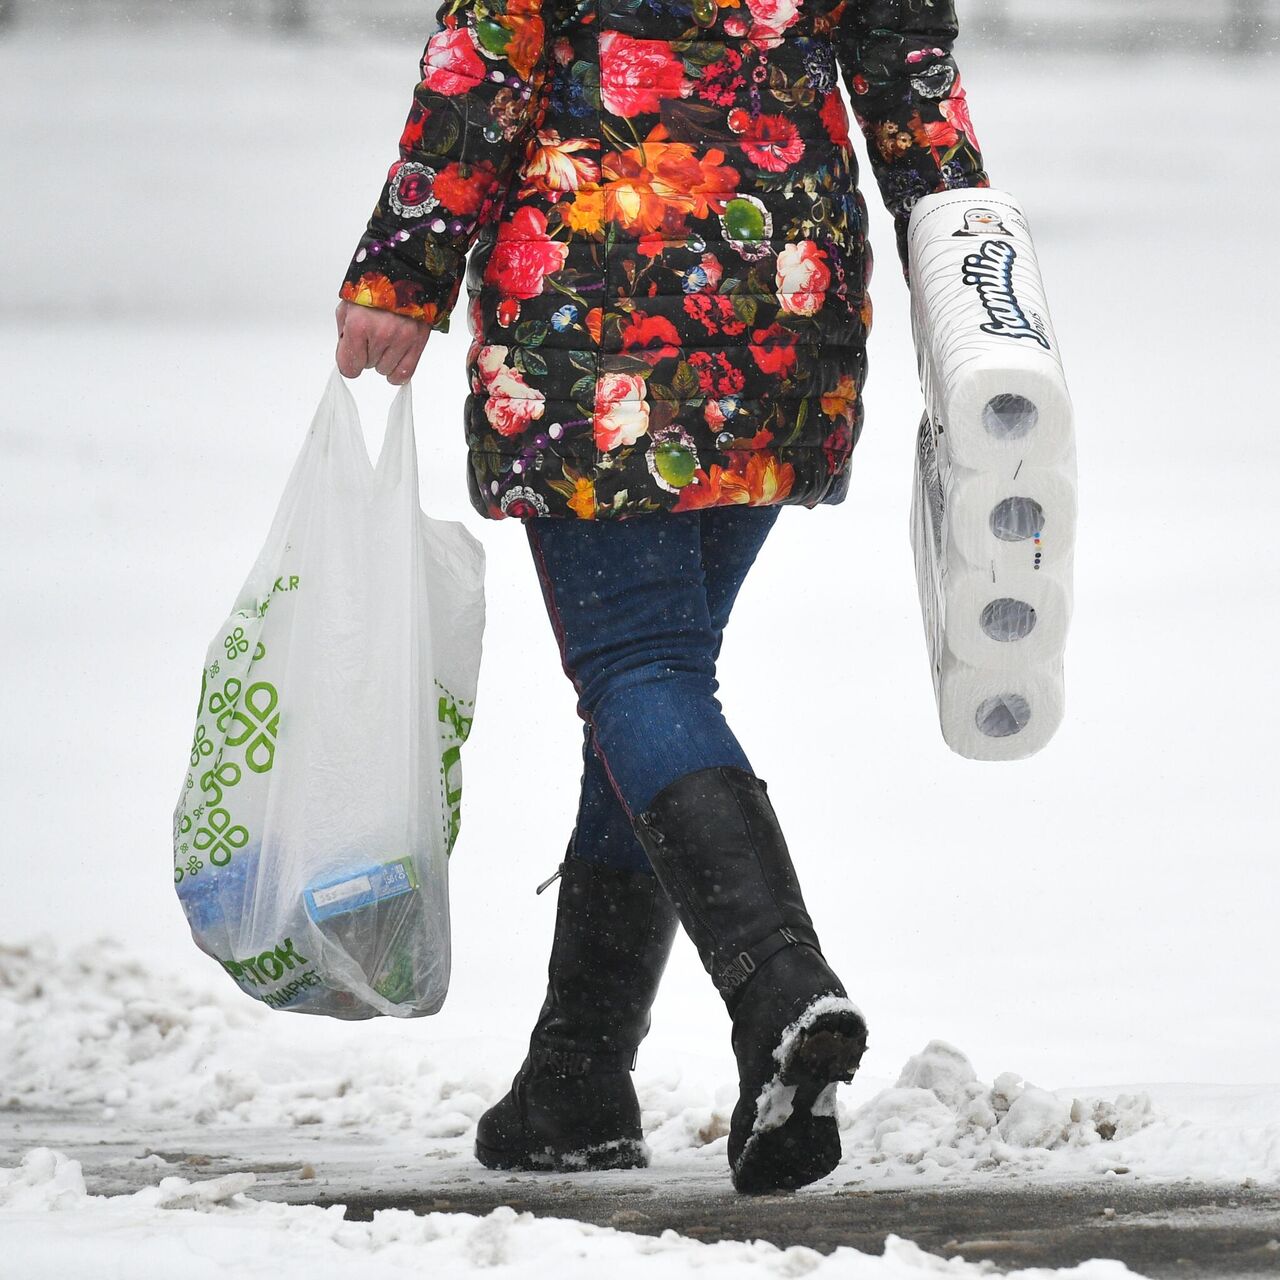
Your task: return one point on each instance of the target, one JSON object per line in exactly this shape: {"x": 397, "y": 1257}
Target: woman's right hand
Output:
{"x": 371, "y": 338}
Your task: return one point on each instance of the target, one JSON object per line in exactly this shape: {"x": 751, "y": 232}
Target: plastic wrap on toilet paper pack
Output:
{"x": 1007, "y": 701}
{"x": 988, "y": 356}
{"x": 994, "y": 501}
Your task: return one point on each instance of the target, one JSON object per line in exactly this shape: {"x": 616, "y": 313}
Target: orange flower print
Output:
{"x": 715, "y": 487}
{"x": 523, "y": 19}
{"x": 585, "y": 212}
{"x": 554, "y": 165}
{"x": 646, "y": 183}
{"x": 766, "y": 479}
{"x": 583, "y": 502}
{"x": 371, "y": 291}
{"x": 838, "y": 402}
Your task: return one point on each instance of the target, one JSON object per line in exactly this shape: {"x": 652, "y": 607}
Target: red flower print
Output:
{"x": 635, "y": 75}
{"x": 771, "y": 19}
{"x": 772, "y": 142}
{"x": 511, "y": 404}
{"x": 803, "y": 277}
{"x": 720, "y": 81}
{"x": 956, "y": 110}
{"x": 716, "y": 374}
{"x": 774, "y": 349}
{"x": 621, "y": 410}
{"x": 451, "y": 64}
{"x": 462, "y": 188}
{"x": 835, "y": 120}
{"x": 933, "y": 133}
{"x": 412, "y": 135}
{"x": 714, "y": 311}
{"x": 524, "y": 254}
{"x": 653, "y": 337}
{"x": 651, "y": 245}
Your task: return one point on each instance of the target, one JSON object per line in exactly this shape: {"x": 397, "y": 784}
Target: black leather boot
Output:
{"x": 714, "y": 841}
{"x": 572, "y": 1105}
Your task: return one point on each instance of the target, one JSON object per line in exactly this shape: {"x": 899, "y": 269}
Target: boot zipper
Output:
{"x": 550, "y": 880}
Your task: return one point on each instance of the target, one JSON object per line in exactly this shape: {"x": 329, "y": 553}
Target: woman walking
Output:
{"x": 667, "y": 294}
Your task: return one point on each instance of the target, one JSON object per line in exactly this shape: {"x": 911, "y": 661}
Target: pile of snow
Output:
{"x": 50, "y": 1226}
{"x": 93, "y": 1030}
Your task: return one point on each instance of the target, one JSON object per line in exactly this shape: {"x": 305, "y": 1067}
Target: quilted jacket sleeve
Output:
{"x": 906, "y": 94}
{"x": 480, "y": 95}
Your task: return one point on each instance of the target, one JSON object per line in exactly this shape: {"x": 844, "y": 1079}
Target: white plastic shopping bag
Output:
{"x": 322, "y": 798}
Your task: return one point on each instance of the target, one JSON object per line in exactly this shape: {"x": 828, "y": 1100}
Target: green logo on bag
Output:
{"x": 449, "y": 712}
{"x": 269, "y": 967}
{"x": 219, "y": 838}
{"x": 222, "y": 703}
{"x": 256, "y": 723}
{"x": 201, "y": 745}
{"x": 222, "y": 775}
{"x": 235, "y": 643}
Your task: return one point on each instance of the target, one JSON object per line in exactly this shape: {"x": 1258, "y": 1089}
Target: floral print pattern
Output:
{"x": 654, "y": 206}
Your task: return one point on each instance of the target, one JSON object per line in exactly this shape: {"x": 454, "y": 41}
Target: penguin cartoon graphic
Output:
{"x": 980, "y": 221}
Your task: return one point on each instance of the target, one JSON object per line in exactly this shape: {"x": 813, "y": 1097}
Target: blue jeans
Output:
{"x": 639, "y": 607}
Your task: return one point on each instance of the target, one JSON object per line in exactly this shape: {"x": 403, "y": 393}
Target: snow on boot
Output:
{"x": 714, "y": 841}
{"x": 572, "y": 1104}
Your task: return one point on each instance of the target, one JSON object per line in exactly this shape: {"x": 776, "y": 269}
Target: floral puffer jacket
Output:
{"x": 668, "y": 263}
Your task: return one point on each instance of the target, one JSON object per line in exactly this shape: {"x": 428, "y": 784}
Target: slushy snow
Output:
{"x": 93, "y": 1030}
{"x": 49, "y": 1224}
{"x": 117, "y": 1042}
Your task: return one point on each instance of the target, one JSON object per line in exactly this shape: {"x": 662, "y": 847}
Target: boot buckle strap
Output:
{"x": 730, "y": 976}
{"x": 544, "y": 1060}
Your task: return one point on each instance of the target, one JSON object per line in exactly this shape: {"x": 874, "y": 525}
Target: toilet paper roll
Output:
{"x": 987, "y": 353}
{"x": 1002, "y": 525}
{"x": 1004, "y": 620}
{"x": 998, "y": 715}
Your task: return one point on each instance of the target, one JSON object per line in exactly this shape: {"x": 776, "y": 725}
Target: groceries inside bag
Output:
{"x": 993, "y": 515}
{"x": 322, "y": 795}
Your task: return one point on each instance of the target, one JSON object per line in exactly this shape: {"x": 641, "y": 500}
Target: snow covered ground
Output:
{"x": 128, "y": 1051}
{"x": 178, "y": 209}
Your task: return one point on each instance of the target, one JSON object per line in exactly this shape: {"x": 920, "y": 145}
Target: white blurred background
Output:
{"x": 181, "y": 185}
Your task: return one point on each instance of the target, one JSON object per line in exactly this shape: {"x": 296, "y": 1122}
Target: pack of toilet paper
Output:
{"x": 993, "y": 513}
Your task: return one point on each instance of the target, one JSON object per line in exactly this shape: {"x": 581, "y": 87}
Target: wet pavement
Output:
{"x": 1158, "y": 1228}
